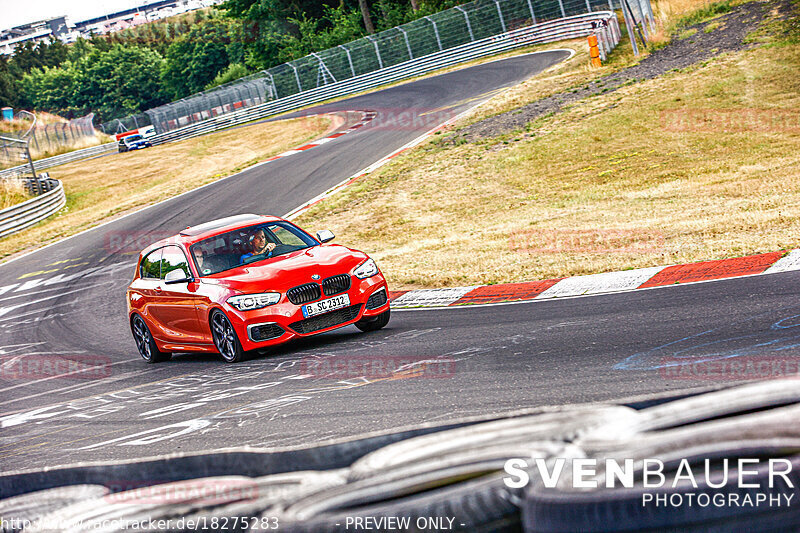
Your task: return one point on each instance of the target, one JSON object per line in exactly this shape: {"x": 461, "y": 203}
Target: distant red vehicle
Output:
{"x": 246, "y": 282}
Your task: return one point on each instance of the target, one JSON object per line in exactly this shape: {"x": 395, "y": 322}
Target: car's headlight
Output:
{"x": 248, "y": 302}
{"x": 367, "y": 269}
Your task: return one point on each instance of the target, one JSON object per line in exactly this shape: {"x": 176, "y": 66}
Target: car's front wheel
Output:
{"x": 145, "y": 342}
{"x": 374, "y": 323}
{"x": 225, "y": 338}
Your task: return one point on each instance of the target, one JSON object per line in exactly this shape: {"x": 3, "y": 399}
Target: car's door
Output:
{"x": 175, "y": 304}
{"x": 143, "y": 288}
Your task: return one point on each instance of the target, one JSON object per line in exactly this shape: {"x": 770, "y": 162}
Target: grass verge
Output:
{"x": 694, "y": 165}
{"x": 102, "y": 188}
{"x": 12, "y": 192}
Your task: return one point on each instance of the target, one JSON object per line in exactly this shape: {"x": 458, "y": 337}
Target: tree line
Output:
{"x": 138, "y": 68}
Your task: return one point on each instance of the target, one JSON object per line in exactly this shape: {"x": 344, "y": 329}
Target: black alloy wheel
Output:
{"x": 225, "y": 338}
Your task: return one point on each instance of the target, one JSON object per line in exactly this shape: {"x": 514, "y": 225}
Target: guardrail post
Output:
{"x": 533, "y": 15}
{"x": 469, "y": 26}
{"x": 408, "y": 45}
{"x": 349, "y": 59}
{"x": 436, "y": 30}
{"x": 371, "y": 39}
{"x": 500, "y": 15}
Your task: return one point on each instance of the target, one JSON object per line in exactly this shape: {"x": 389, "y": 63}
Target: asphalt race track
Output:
{"x": 426, "y": 365}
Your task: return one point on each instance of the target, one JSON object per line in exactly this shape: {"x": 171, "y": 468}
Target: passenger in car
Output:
{"x": 258, "y": 241}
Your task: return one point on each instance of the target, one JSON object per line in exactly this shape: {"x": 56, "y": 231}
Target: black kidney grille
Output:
{"x": 326, "y": 320}
{"x": 303, "y": 293}
{"x": 265, "y": 332}
{"x": 377, "y": 299}
{"x": 335, "y": 284}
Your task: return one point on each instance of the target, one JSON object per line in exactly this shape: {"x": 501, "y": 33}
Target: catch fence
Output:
{"x": 449, "y": 29}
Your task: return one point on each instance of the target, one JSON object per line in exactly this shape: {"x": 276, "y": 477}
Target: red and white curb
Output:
{"x": 607, "y": 282}
{"x": 367, "y": 116}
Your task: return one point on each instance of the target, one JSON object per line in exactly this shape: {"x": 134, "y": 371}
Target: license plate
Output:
{"x": 323, "y": 306}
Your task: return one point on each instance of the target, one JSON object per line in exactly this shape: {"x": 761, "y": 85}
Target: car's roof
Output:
{"x": 202, "y": 231}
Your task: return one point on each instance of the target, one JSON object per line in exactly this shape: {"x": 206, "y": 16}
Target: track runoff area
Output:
{"x": 63, "y": 305}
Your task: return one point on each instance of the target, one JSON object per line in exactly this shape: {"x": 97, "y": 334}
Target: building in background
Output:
{"x": 60, "y": 28}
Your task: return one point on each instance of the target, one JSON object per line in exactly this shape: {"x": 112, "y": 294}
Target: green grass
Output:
{"x": 705, "y": 13}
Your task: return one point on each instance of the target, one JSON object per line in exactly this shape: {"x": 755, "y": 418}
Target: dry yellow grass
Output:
{"x": 99, "y": 189}
{"x": 640, "y": 177}
{"x": 12, "y": 192}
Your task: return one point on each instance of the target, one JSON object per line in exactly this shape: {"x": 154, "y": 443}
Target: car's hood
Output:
{"x": 286, "y": 271}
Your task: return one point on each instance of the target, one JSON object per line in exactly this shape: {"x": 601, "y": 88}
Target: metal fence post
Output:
{"x": 533, "y": 15}
{"x": 500, "y": 15}
{"x": 469, "y": 26}
{"x": 561, "y": 5}
{"x": 630, "y": 25}
{"x": 349, "y": 59}
{"x": 274, "y": 89}
{"x": 296, "y": 77}
{"x": 436, "y": 30}
{"x": 649, "y": 13}
{"x": 371, "y": 39}
{"x": 408, "y": 45}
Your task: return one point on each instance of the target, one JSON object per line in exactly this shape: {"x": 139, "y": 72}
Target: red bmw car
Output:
{"x": 248, "y": 281}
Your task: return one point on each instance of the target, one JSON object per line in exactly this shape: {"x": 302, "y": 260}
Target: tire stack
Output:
{"x": 452, "y": 478}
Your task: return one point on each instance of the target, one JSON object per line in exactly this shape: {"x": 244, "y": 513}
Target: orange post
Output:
{"x": 594, "y": 51}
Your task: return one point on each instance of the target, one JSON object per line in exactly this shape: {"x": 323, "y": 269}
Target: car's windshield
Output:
{"x": 248, "y": 245}
{"x": 131, "y": 138}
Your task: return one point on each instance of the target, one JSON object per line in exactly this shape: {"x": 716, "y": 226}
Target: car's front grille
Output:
{"x": 335, "y": 284}
{"x": 303, "y": 293}
{"x": 377, "y": 299}
{"x": 327, "y": 320}
{"x": 265, "y": 332}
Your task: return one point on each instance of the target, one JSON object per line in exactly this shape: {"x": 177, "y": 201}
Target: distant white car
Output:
{"x": 147, "y": 131}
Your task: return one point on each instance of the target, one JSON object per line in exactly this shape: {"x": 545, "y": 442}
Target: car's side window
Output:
{"x": 151, "y": 265}
{"x": 174, "y": 259}
{"x": 287, "y": 237}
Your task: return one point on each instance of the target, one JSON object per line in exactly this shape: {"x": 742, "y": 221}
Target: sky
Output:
{"x": 16, "y": 12}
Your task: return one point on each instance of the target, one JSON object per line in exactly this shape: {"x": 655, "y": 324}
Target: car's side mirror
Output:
{"x": 325, "y": 235}
{"x": 177, "y": 276}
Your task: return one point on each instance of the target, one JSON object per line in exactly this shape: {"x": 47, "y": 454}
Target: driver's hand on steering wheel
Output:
{"x": 271, "y": 246}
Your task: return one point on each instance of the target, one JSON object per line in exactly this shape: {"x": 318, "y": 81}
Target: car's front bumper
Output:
{"x": 284, "y": 321}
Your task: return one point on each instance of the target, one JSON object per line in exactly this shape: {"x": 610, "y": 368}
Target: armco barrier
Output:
{"x": 62, "y": 159}
{"x": 28, "y": 213}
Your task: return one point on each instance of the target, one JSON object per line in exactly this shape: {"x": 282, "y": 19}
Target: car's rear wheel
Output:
{"x": 145, "y": 342}
{"x": 374, "y": 323}
{"x": 225, "y": 338}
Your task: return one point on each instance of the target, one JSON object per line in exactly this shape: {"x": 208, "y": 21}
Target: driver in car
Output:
{"x": 258, "y": 240}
